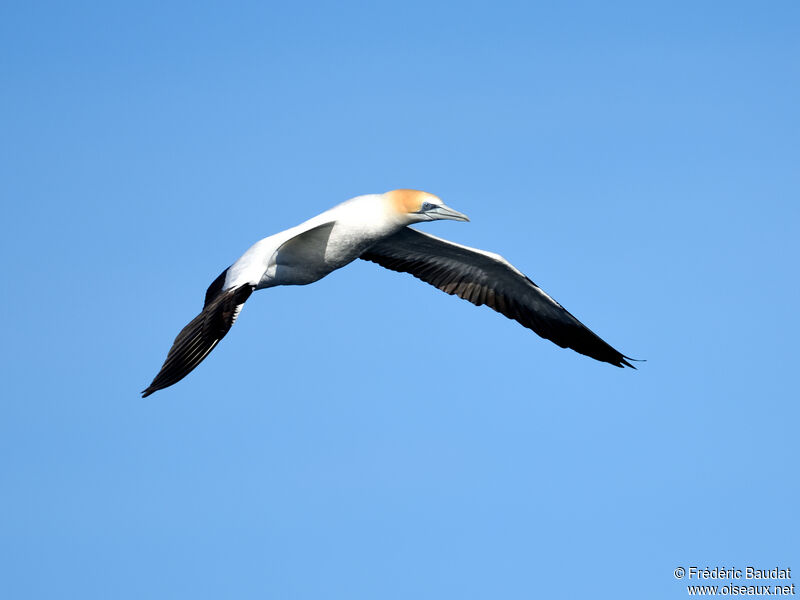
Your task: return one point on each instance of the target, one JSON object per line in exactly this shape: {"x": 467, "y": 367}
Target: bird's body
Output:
{"x": 375, "y": 228}
{"x": 331, "y": 240}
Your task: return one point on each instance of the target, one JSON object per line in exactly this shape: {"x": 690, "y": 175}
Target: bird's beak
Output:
{"x": 445, "y": 212}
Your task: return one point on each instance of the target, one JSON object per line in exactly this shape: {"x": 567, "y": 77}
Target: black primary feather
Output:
{"x": 201, "y": 335}
{"x": 483, "y": 278}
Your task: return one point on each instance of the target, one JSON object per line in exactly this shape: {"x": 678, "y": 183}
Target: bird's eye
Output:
{"x": 427, "y": 206}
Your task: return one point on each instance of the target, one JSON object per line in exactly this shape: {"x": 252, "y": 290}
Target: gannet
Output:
{"x": 375, "y": 227}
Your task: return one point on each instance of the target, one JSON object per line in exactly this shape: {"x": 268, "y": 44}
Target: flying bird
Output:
{"x": 375, "y": 228}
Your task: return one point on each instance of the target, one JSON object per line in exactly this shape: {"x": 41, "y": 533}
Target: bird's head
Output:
{"x": 416, "y": 206}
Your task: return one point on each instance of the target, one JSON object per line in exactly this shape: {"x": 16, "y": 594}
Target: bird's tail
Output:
{"x": 200, "y": 336}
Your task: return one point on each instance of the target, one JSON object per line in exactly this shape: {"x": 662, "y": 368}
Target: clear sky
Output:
{"x": 368, "y": 436}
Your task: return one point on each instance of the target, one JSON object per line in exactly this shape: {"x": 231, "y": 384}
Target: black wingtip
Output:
{"x": 624, "y": 362}
{"x": 197, "y": 339}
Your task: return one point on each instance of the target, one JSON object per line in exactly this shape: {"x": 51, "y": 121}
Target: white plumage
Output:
{"x": 375, "y": 228}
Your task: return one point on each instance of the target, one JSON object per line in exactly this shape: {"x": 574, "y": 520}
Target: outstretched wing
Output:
{"x": 487, "y": 278}
{"x": 200, "y": 336}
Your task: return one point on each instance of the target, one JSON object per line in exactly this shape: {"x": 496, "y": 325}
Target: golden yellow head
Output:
{"x": 410, "y": 201}
{"x": 415, "y": 206}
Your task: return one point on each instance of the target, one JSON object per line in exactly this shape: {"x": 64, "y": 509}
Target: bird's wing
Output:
{"x": 487, "y": 278}
{"x": 200, "y": 336}
{"x": 215, "y": 288}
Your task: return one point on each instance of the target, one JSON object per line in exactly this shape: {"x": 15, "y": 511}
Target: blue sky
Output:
{"x": 368, "y": 436}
